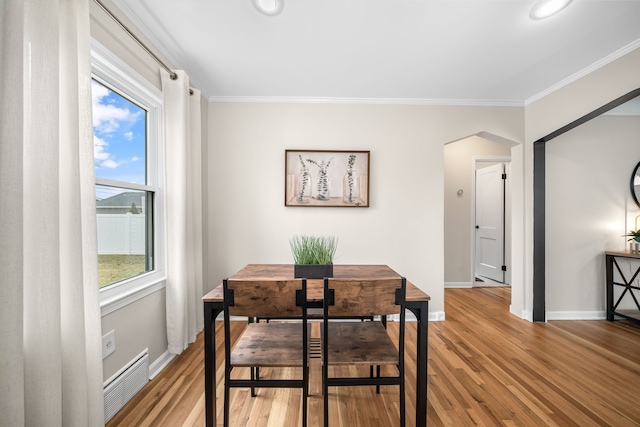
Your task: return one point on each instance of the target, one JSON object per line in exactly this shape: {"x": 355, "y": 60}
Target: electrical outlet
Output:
{"x": 108, "y": 343}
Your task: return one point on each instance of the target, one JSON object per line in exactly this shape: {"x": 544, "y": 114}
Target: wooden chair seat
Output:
{"x": 269, "y": 345}
{"x": 360, "y": 343}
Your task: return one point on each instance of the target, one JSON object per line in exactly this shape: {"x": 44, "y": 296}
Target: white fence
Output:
{"x": 121, "y": 234}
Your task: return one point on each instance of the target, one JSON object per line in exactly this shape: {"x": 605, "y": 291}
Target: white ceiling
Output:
{"x": 477, "y": 52}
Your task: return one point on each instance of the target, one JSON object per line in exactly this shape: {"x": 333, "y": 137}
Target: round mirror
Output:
{"x": 635, "y": 184}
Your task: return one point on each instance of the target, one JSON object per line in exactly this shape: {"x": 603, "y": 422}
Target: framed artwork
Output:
{"x": 326, "y": 178}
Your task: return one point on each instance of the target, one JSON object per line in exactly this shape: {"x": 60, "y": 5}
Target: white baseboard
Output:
{"x": 576, "y": 315}
{"x": 160, "y": 363}
{"x": 566, "y": 315}
{"x": 458, "y": 285}
{"x": 436, "y": 316}
{"x": 525, "y": 315}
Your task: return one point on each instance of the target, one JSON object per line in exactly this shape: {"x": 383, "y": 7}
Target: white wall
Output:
{"x": 139, "y": 325}
{"x": 588, "y": 201}
{"x": 403, "y": 227}
{"x": 458, "y": 167}
{"x": 547, "y": 115}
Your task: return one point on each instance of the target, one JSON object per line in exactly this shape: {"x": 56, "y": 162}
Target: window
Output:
{"x": 124, "y": 212}
{"x": 128, "y": 172}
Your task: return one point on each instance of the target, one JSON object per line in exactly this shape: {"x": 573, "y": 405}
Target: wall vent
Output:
{"x": 125, "y": 384}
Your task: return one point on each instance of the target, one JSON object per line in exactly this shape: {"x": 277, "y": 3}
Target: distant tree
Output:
{"x": 133, "y": 209}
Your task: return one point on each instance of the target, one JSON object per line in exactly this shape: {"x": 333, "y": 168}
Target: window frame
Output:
{"x": 110, "y": 71}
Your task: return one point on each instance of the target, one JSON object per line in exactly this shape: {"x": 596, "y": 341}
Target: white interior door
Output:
{"x": 490, "y": 222}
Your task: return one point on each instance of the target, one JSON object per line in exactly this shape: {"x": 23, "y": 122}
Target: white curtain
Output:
{"x": 50, "y": 338}
{"x": 183, "y": 200}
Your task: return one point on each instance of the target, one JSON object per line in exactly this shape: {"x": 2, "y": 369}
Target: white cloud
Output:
{"x": 99, "y": 152}
{"x": 110, "y": 164}
{"x": 107, "y": 118}
{"x": 98, "y": 92}
{"x": 101, "y": 157}
{"x": 135, "y": 158}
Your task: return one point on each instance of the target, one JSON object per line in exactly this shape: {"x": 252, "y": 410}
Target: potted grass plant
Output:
{"x": 313, "y": 255}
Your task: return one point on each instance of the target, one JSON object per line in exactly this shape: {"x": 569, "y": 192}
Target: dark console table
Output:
{"x": 627, "y": 284}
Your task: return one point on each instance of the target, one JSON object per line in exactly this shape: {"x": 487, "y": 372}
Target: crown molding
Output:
{"x": 582, "y": 73}
{"x": 365, "y": 101}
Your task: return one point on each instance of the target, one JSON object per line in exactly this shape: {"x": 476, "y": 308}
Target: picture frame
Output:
{"x": 326, "y": 178}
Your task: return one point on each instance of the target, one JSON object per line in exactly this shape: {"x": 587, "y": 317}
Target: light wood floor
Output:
{"x": 486, "y": 367}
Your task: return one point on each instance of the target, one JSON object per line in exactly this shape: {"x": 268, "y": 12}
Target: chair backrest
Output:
{"x": 364, "y": 298}
{"x": 265, "y": 298}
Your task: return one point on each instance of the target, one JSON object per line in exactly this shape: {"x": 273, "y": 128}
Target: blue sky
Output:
{"x": 119, "y": 137}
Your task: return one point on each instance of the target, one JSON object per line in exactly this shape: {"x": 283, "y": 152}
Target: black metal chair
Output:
{"x": 273, "y": 344}
{"x": 362, "y": 343}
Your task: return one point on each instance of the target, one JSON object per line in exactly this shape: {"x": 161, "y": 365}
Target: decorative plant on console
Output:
{"x": 634, "y": 235}
{"x": 322, "y": 186}
{"x": 313, "y": 255}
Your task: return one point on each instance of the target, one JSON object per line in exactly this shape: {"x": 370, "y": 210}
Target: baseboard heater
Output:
{"x": 120, "y": 388}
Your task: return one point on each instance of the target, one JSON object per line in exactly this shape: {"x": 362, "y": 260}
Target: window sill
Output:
{"x": 117, "y": 296}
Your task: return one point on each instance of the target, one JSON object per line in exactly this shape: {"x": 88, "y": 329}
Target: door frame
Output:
{"x": 507, "y": 219}
{"x": 539, "y": 206}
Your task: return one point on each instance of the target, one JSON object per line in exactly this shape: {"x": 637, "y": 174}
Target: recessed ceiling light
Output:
{"x": 269, "y": 7}
{"x": 545, "y": 8}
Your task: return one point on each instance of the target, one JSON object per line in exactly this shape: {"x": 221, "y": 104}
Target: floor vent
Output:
{"x": 125, "y": 385}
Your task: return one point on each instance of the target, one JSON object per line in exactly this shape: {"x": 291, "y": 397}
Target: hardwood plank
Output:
{"x": 486, "y": 368}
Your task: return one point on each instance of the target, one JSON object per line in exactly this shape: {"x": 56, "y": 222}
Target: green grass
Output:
{"x": 313, "y": 249}
{"x": 114, "y": 268}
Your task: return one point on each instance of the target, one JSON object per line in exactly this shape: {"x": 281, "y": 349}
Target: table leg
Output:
{"x": 422, "y": 315}
{"x": 211, "y": 311}
{"x": 609, "y": 274}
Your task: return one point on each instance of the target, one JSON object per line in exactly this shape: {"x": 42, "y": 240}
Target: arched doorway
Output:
{"x": 462, "y": 155}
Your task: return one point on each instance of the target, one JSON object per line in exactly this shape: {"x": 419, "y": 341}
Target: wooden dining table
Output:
{"x": 416, "y": 301}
